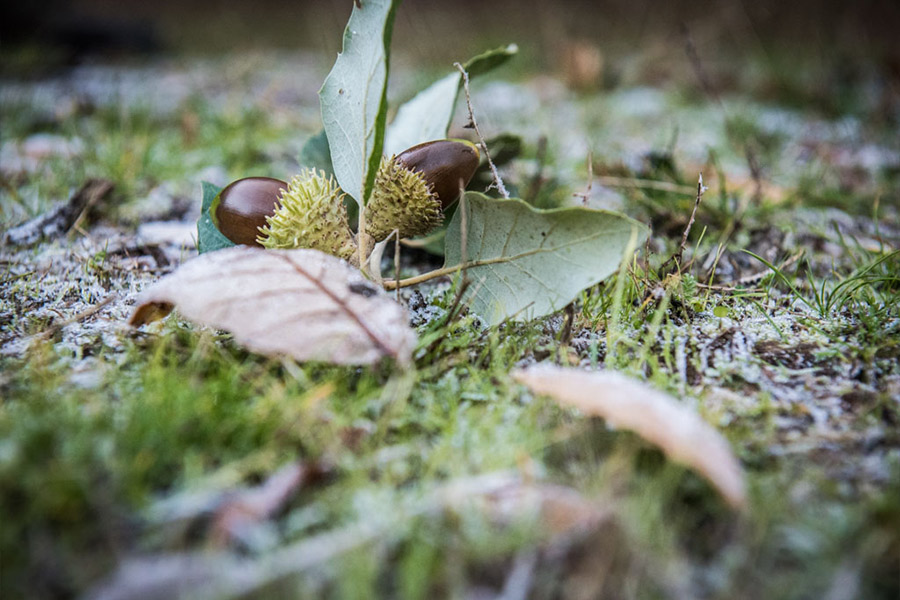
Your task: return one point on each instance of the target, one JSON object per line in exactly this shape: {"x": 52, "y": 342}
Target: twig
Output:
{"x": 679, "y": 254}
{"x": 81, "y": 316}
{"x": 498, "y": 183}
{"x": 590, "y": 184}
{"x": 98, "y": 191}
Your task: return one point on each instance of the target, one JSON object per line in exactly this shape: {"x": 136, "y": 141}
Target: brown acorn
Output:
{"x": 445, "y": 164}
{"x": 243, "y": 206}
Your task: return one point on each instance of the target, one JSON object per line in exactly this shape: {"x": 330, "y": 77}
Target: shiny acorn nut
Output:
{"x": 443, "y": 163}
{"x": 244, "y": 205}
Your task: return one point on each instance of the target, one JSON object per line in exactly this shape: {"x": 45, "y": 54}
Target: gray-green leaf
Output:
{"x": 208, "y": 237}
{"x": 427, "y": 116}
{"x": 353, "y": 97}
{"x": 530, "y": 262}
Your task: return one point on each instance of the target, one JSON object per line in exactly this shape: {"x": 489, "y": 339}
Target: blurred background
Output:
{"x": 804, "y": 51}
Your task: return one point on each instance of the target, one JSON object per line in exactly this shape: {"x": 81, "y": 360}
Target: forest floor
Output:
{"x": 151, "y": 460}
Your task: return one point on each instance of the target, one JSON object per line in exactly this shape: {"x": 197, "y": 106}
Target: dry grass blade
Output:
{"x": 656, "y": 417}
{"x": 300, "y": 303}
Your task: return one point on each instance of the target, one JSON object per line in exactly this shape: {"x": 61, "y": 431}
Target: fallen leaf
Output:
{"x": 301, "y": 303}
{"x": 653, "y": 415}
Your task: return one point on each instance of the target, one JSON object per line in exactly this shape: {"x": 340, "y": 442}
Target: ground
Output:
{"x": 779, "y": 325}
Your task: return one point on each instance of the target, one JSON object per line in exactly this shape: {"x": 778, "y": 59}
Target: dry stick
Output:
{"x": 53, "y": 329}
{"x": 679, "y": 254}
{"x": 587, "y": 192}
{"x": 498, "y": 183}
{"x": 101, "y": 189}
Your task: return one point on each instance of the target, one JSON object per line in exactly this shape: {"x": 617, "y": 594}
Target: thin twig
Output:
{"x": 101, "y": 189}
{"x": 590, "y": 184}
{"x": 679, "y": 254}
{"x": 498, "y": 183}
{"x": 81, "y": 316}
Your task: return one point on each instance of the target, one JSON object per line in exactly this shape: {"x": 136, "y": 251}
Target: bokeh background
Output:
{"x": 807, "y": 51}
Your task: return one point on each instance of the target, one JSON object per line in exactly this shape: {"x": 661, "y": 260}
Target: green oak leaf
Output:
{"x": 527, "y": 262}
{"x": 209, "y": 238}
{"x": 427, "y": 116}
{"x": 354, "y": 97}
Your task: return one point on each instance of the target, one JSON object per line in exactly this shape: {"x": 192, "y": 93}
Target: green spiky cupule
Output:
{"x": 402, "y": 200}
{"x": 311, "y": 215}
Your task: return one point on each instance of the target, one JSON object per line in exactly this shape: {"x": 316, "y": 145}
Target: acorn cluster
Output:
{"x": 411, "y": 191}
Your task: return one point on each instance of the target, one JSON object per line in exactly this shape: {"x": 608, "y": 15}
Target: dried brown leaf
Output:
{"x": 300, "y": 303}
{"x": 655, "y": 416}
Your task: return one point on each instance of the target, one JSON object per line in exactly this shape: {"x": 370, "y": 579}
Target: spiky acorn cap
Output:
{"x": 402, "y": 199}
{"x": 311, "y": 215}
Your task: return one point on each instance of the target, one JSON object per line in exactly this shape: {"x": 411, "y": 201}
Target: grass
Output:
{"x": 111, "y": 438}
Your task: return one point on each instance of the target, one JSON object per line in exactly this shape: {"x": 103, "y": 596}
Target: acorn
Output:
{"x": 445, "y": 164}
{"x": 311, "y": 214}
{"x": 243, "y": 206}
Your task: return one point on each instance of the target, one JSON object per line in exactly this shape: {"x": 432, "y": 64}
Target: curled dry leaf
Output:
{"x": 653, "y": 415}
{"x": 300, "y": 303}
